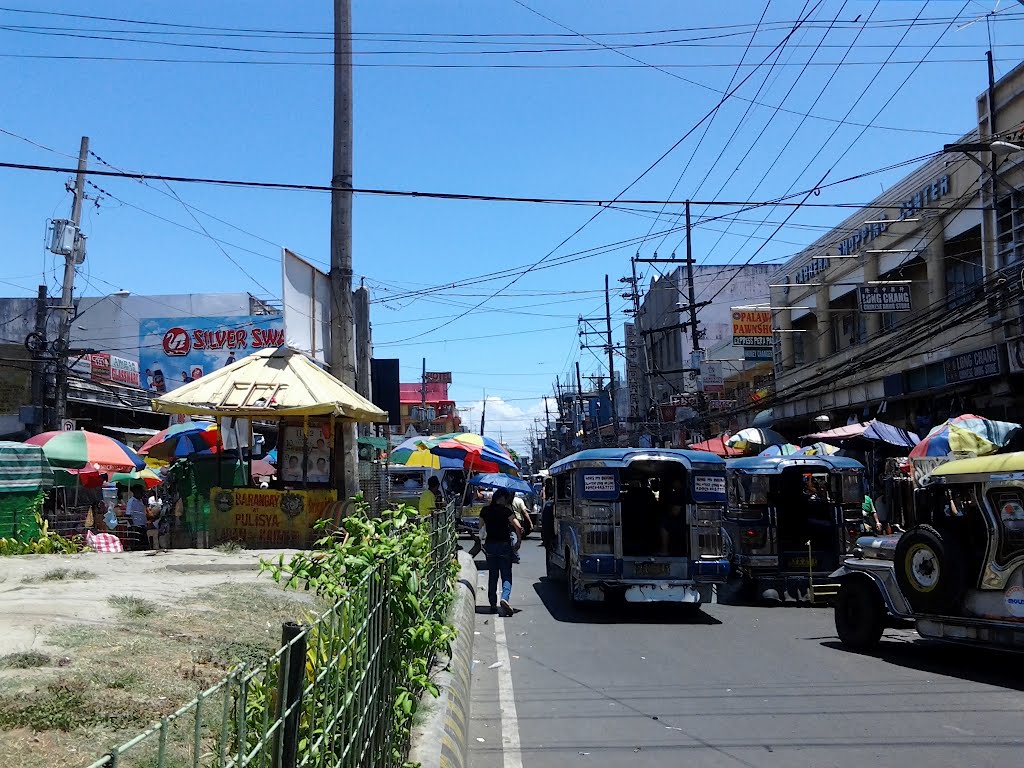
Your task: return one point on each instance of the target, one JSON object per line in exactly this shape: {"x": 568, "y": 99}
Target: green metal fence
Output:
{"x": 325, "y": 698}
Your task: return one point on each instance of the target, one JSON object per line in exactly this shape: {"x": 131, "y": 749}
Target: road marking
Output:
{"x": 507, "y": 699}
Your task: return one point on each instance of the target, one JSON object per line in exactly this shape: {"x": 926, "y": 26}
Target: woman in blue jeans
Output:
{"x": 499, "y": 522}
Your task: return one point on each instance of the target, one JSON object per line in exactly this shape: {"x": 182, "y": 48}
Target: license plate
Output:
{"x": 651, "y": 569}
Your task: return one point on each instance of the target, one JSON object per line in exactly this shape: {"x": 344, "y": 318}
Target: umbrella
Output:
{"x": 717, "y": 446}
{"x": 969, "y": 433}
{"x": 412, "y": 453}
{"x": 181, "y": 440}
{"x": 745, "y": 439}
{"x": 271, "y": 456}
{"x": 476, "y": 452}
{"x": 75, "y": 450}
{"x": 869, "y": 430}
{"x": 263, "y": 468}
{"x": 87, "y": 477}
{"x": 818, "y": 449}
{"x": 498, "y": 480}
{"x": 146, "y": 477}
{"x": 784, "y": 449}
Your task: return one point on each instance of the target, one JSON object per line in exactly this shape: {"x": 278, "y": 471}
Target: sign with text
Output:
{"x": 104, "y": 367}
{"x": 599, "y": 484}
{"x": 438, "y": 377}
{"x": 979, "y": 364}
{"x": 632, "y": 338}
{"x": 264, "y": 517}
{"x": 752, "y": 328}
{"x": 758, "y": 354}
{"x": 722, "y": 405}
{"x": 99, "y": 365}
{"x": 884, "y": 298}
{"x": 708, "y": 487}
{"x": 711, "y": 376}
{"x": 177, "y": 350}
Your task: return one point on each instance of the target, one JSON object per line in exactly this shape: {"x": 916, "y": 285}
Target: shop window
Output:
{"x": 964, "y": 268}
{"x": 798, "y": 349}
{"x": 1010, "y": 228}
{"x": 889, "y": 320}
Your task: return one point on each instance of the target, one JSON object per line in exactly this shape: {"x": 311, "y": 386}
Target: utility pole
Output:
{"x": 343, "y": 348}
{"x": 583, "y": 415}
{"x": 364, "y": 345}
{"x": 423, "y": 396}
{"x": 696, "y": 355}
{"x": 611, "y": 361}
{"x": 67, "y": 296}
{"x": 483, "y": 414}
{"x": 547, "y": 429}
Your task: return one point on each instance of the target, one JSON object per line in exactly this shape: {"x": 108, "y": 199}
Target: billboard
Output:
{"x": 711, "y": 376}
{"x": 752, "y": 328}
{"x": 104, "y": 367}
{"x": 306, "y": 296}
{"x": 176, "y": 350}
{"x": 437, "y": 377}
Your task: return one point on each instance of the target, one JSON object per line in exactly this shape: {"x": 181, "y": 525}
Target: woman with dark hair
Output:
{"x": 499, "y": 521}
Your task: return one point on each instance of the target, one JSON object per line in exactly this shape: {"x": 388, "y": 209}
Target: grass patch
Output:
{"x": 62, "y": 574}
{"x": 133, "y": 607}
{"x": 25, "y": 660}
{"x": 229, "y": 547}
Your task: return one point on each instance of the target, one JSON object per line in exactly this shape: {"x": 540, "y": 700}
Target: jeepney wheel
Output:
{"x": 570, "y": 581}
{"x": 929, "y": 569}
{"x": 860, "y": 614}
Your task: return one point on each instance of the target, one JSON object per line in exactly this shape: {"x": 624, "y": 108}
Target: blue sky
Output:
{"x": 571, "y": 119}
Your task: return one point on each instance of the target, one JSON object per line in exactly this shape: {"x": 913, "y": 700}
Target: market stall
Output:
{"x": 312, "y": 410}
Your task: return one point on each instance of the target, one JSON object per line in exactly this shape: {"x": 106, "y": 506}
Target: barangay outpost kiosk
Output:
{"x": 310, "y": 406}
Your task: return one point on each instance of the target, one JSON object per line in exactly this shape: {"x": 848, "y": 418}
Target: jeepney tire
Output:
{"x": 859, "y": 614}
{"x": 570, "y": 584}
{"x": 929, "y": 569}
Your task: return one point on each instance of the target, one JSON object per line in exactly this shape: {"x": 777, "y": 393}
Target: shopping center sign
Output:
{"x": 177, "y": 350}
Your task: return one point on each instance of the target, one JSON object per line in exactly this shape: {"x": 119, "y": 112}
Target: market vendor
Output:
{"x": 430, "y": 500}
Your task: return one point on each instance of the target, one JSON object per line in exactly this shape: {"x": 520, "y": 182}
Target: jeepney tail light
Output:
{"x": 752, "y": 537}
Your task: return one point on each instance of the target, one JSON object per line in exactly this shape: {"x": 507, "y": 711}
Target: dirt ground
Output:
{"x": 94, "y": 647}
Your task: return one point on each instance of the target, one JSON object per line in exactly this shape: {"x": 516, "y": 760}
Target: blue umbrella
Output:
{"x": 498, "y": 480}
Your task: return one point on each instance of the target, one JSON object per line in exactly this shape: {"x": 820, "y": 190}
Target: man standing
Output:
{"x": 430, "y": 500}
{"x": 136, "y": 511}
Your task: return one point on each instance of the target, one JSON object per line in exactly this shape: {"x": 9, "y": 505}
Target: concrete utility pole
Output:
{"x": 483, "y": 414}
{"x": 343, "y": 349}
{"x": 611, "y": 361}
{"x": 583, "y": 415}
{"x": 67, "y": 296}
{"x": 423, "y": 398}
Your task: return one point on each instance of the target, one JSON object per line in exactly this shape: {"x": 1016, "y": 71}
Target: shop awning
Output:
{"x": 24, "y": 468}
{"x": 868, "y": 430}
{"x": 270, "y": 384}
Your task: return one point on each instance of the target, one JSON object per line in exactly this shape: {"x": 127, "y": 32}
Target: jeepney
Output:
{"x": 638, "y": 524}
{"x": 957, "y": 573}
{"x": 789, "y": 523}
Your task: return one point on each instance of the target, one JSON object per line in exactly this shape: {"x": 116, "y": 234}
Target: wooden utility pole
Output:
{"x": 67, "y": 296}
{"x": 343, "y": 348}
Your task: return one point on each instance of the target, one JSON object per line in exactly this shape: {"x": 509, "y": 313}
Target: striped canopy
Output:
{"x": 23, "y": 468}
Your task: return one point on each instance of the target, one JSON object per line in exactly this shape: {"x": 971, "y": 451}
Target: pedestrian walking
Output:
{"x": 499, "y": 523}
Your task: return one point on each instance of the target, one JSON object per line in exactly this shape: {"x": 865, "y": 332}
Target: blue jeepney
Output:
{"x": 790, "y": 522}
{"x": 641, "y": 524}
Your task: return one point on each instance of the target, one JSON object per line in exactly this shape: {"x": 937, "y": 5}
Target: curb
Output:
{"x": 441, "y": 738}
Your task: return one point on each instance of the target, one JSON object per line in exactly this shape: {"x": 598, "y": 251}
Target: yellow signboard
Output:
{"x": 261, "y": 517}
{"x": 752, "y": 328}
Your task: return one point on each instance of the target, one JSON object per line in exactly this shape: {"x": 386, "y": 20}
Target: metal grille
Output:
{"x": 325, "y": 698}
{"x": 375, "y": 484}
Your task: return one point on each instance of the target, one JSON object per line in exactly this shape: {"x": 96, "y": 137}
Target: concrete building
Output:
{"x": 127, "y": 348}
{"x": 668, "y": 346}
{"x": 427, "y": 410}
{"x": 910, "y": 309}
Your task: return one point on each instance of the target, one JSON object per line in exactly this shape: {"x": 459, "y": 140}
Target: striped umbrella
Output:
{"x": 413, "y": 453}
{"x": 785, "y": 449}
{"x": 75, "y": 450}
{"x": 146, "y": 477}
{"x": 755, "y": 437}
{"x": 476, "y": 452}
{"x": 181, "y": 440}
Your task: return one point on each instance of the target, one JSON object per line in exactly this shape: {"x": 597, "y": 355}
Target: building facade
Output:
{"x": 427, "y": 410}
{"x": 911, "y": 309}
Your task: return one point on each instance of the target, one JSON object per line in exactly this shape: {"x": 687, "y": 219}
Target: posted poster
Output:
{"x": 305, "y": 458}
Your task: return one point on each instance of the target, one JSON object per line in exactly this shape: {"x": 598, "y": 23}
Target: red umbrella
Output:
{"x": 263, "y": 468}
{"x": 717, "y": 446}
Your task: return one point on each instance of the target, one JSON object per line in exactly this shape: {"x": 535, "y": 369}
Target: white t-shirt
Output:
{"x": 136, "y": 512}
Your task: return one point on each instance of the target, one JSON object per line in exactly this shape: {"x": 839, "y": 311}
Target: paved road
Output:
{"x": 732, "y": 686}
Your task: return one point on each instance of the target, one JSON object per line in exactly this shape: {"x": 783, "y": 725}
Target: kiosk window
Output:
{"x": 564, "y": 487}
{"x": 1009, "y": 506}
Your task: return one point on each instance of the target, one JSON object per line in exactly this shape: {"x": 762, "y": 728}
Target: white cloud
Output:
{"x": 507, "y": 421}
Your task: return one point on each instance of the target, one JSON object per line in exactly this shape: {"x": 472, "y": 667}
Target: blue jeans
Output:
{"x": 499, "y": 563}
